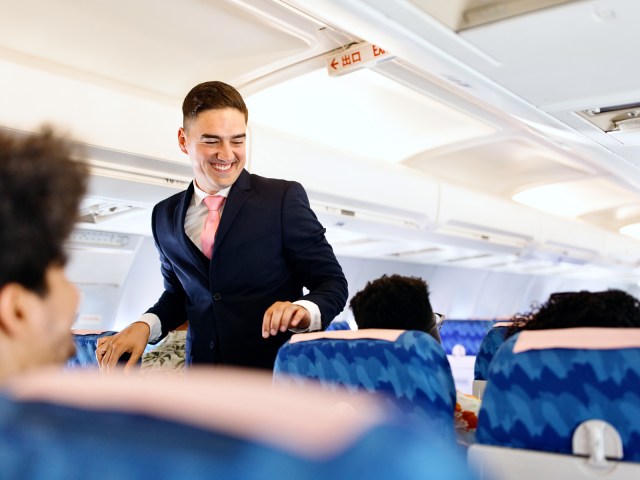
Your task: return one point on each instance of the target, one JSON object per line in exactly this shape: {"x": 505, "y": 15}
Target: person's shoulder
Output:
{"x": 258, "y": 181}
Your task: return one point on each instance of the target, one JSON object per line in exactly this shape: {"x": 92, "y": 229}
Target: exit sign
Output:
{"x": 356, "y": 57}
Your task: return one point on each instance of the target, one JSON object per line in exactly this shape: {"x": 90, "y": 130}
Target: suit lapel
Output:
{"x": 235, "y": 200}
{"x": 196, "y": 256}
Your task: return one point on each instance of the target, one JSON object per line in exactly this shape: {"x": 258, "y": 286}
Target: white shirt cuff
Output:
{"x": 312, "y": 308}
{"x": 155, "y": 327}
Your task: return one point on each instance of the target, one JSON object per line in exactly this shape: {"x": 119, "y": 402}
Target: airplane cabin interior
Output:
{"x": 489, "y": 147}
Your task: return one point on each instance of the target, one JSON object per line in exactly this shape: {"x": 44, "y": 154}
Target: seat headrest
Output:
{"x": 234, "y": 423}
{"x": 543, "y": 384}
{"x": 588, "y": 338}
{"x": 370, "y": 333}
{"x": 409, "y": 367}
{"x": 230, "y": 400}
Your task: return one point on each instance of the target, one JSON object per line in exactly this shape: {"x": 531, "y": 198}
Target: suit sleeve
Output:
{"x": 170, "y": 307}
{"x": 310, "y": 256}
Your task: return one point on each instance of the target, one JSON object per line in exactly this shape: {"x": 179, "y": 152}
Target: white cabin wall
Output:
{"x": 459, "y": 293}
{"x": 142, "y": 287}
{"x": 464, "y": 293}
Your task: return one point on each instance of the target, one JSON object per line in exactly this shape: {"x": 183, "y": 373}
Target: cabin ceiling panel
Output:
{"x": 163, "y": 47}
{"x": 577, "y": 198}
{"x": 616, "y": 217}
{"x": 461, "y": 14}
{"x": 564, "y": 54}
{"x": 501, "y": 166}
{"x": 364, "y": 114}
{"x": 625, "y": 145}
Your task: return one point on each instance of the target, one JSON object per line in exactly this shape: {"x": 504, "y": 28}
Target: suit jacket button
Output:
{"x": 210, "y": 345}
{"x": 217, "y": 296}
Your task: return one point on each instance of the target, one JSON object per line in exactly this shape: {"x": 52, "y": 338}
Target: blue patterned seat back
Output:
{"x": 85, "y": 355}
{"x": 468, "y": 333}
{"x": 212, "y": 424}
{"x": 342, "y": 325}
{"x": 409, "y": 367}
{"x": 488, "y": 348}
{"x": 535, "y": 399}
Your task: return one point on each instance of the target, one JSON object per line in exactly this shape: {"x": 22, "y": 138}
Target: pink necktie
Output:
{"x": 208, "y": 235}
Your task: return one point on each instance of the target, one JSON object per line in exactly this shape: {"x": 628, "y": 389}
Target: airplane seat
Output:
{"x": 562, "y": 402}
{"x": 409, "y": 368}
{"x": 232, "y": 424}
{"x": 492, "y": 340}
{"x": 467, "y": 333}
{"x": 340, "y": 325}
{"x": 86, "y": 343}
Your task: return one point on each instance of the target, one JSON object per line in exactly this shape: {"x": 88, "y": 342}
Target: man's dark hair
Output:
{"x": 394, "y": 301}
{"x": 40, "y": 190}
{"x": 212, "y": 96}
{"x": 610, "y": 308}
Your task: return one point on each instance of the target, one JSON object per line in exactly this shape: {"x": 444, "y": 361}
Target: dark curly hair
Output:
{"x": 610, "y": 308}
{"x": 394, "y": 301}
{"x": 212, "y": 96}
{"x": 40, "y": 190}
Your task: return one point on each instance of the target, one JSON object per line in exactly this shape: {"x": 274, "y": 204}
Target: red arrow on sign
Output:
{"x": 334, "y": 64}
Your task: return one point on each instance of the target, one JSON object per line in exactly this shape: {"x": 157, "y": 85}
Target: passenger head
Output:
{"x": 610, "y": 308}
{"x": 396, "y": 302}
{"x": 40, "y": 190}
{"x": 213, "y": 134}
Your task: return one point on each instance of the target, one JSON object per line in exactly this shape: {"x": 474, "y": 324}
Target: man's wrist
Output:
{"x": 314, "y": 313}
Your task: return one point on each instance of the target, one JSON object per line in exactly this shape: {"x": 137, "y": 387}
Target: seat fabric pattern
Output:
{"x": 488, "y": 348}
{"x": 413, "y": 372}
{"x": 537, "y": 398}
{"x": 468, "y": 333}
{"x": 85, "y": 355}
{"x": 56, "y": 442}
{"x": 341, "y": 325}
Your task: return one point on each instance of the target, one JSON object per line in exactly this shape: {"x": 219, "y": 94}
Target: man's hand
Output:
{"x": 132, "y": 339}
{"x": 281, "y": 316}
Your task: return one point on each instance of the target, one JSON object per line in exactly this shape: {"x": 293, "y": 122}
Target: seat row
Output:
{"x": 564, "y": 400}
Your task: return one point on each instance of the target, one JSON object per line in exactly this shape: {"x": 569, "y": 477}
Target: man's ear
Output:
{"x": 182, "y": 140}
{"x": 14, "y": 307}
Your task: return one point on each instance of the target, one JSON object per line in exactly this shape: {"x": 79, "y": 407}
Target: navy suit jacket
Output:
{"x": 269, "y": 245}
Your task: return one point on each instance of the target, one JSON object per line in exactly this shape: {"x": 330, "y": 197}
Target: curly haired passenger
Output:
{"x": 40, "y": 190}
{"x": 395, "y": 301}
{"x": 400, "y": 302}
{"x": 610, "y": 308}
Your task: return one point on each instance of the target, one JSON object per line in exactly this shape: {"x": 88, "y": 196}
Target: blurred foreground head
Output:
{"x": 225, "y": 423}
{"x": 41, "y": 186}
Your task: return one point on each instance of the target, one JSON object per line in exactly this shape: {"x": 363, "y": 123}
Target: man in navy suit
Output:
{"x": 243, "y": 303}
